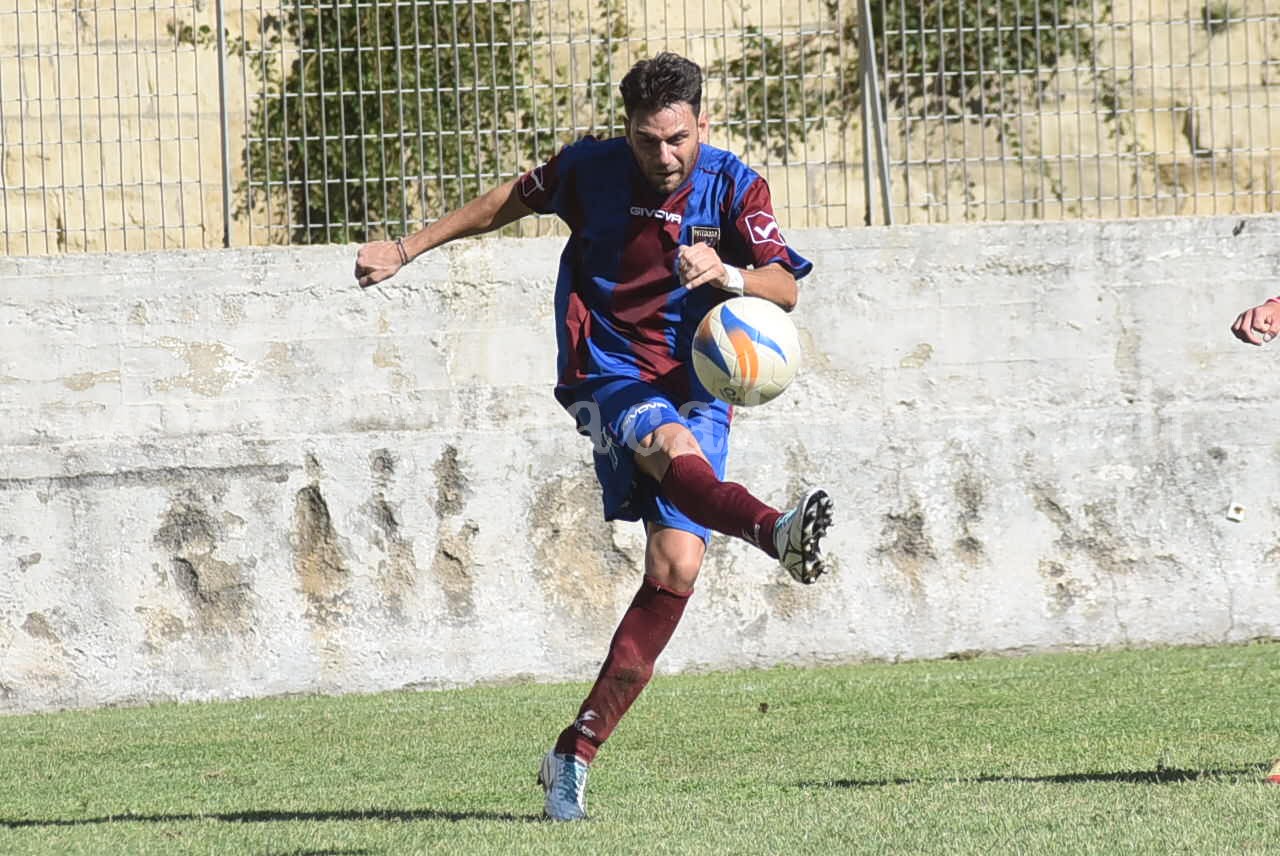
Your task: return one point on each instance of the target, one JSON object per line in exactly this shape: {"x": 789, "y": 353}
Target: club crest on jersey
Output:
{"x": 655, "y": 213}
{"x": 764, "y": 229}
{"x": 531, "y": 183}
{"x": 709, "y": 235}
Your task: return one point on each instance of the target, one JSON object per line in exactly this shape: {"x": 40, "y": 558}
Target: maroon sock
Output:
{"x": 726, "y": 507}
{"x": 643, "y": 632}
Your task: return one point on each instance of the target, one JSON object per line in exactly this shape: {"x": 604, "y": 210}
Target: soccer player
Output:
{"x": 663, "y": 227}
{"x": 1258, "y": 325}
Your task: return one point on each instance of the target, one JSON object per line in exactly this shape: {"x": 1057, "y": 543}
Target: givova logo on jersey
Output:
{"x": 656, "y": 213}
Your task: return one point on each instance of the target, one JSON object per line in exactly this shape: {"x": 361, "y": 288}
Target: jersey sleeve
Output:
{"x": 538, "y": 186}
{"x": 545, "y": 188}
{"x": 760, "y": 233}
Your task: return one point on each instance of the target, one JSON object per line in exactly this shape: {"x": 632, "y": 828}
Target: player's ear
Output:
{"x": 704, "y": 127}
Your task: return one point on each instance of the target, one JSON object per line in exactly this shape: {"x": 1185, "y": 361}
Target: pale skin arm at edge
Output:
{"x": 1258, "y": 325}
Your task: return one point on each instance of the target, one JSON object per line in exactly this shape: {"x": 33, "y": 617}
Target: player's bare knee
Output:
{"x": 671, "y": 440}
{"x": 661, "y": 446}
{"x": 679, "y": 576}
{"x": 673, "y": 559}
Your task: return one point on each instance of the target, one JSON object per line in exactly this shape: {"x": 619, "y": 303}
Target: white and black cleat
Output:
{"x": 798, "y": 536}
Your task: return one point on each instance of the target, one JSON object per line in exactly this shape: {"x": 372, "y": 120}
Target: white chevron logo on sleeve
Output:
{"x": 763, "y": 229}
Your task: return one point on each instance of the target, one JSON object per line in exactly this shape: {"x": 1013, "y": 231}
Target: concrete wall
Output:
{"x": 233, "y": 473}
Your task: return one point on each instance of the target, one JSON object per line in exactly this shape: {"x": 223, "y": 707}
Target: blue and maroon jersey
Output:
{"x": 620, "y": 308}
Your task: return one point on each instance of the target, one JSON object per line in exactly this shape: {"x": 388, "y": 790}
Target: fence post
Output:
{"x": 872, "y": 115}
{"x": 222, "y": 122}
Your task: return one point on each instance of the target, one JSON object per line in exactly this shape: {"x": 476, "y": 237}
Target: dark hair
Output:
{"x": 666, "y": 79}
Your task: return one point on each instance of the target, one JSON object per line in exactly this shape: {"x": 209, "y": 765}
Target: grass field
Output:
{"x": 1155, "y": 751}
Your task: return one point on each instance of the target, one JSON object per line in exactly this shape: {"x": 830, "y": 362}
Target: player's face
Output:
{"x": 665, "y": 143}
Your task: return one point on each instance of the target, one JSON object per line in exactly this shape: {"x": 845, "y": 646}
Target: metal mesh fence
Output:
{"x": 381, "y": 115}
{"x": 1079, "y": 108}
{"x": 349, "y": 119}
{"x": 105, "y": 129}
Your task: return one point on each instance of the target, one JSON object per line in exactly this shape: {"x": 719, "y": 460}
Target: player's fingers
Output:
{"x": 701, "y": 279}
{"x": 373, "y": 277}
{"x": 1264, "y": 325}
{"x": 696, "y": 254}
{"x": 695, "y": 274}
{"x": 692, "y": 270}
{"x": 1246, "y": 331}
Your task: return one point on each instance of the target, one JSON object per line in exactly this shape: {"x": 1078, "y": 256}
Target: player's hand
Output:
{"x": 376, "y": 261}
{"x": 700, "y": 265}
{"x": 1258, "y": 325}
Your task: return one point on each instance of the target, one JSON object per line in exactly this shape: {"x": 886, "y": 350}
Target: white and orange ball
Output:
{"x": 746, "y": 351}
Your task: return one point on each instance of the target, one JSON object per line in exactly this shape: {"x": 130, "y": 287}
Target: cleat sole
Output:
{"x": 814, "y": 525}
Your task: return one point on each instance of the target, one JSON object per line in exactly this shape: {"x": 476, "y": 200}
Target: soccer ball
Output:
{"x": 746, "y": 351}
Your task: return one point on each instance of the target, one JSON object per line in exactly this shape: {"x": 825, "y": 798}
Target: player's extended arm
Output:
{"x": 1258, "y": 325}
{"x": 380, "y": 260}
{"x": 701, "y": 265}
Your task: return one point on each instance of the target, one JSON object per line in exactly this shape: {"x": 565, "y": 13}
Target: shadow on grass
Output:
{"x": 323, "y": 852}
{"x": 401, "y": 815}
{"x": 1159, "y": 776}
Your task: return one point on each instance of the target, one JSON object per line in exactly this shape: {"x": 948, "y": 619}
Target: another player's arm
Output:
{"x": 1260, "y": 324}
{"x": 700, "y": 265}
{"x": 380, "y": 260}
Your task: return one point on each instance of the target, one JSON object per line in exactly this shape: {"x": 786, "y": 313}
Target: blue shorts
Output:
{"x": 617, "y": 414}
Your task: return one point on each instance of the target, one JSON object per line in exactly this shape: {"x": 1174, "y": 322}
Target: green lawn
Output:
{"x": 1157, "y": 751}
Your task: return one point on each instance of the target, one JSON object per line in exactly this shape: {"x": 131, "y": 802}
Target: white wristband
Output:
{"x": 735, "y": 285}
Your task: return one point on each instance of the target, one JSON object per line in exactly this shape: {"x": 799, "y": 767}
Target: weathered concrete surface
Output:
{"x": 233, "y": 473}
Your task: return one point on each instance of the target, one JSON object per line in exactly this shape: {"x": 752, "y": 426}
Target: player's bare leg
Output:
{"x": 670, "y": 455}
{"x": 673, "y": 558}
